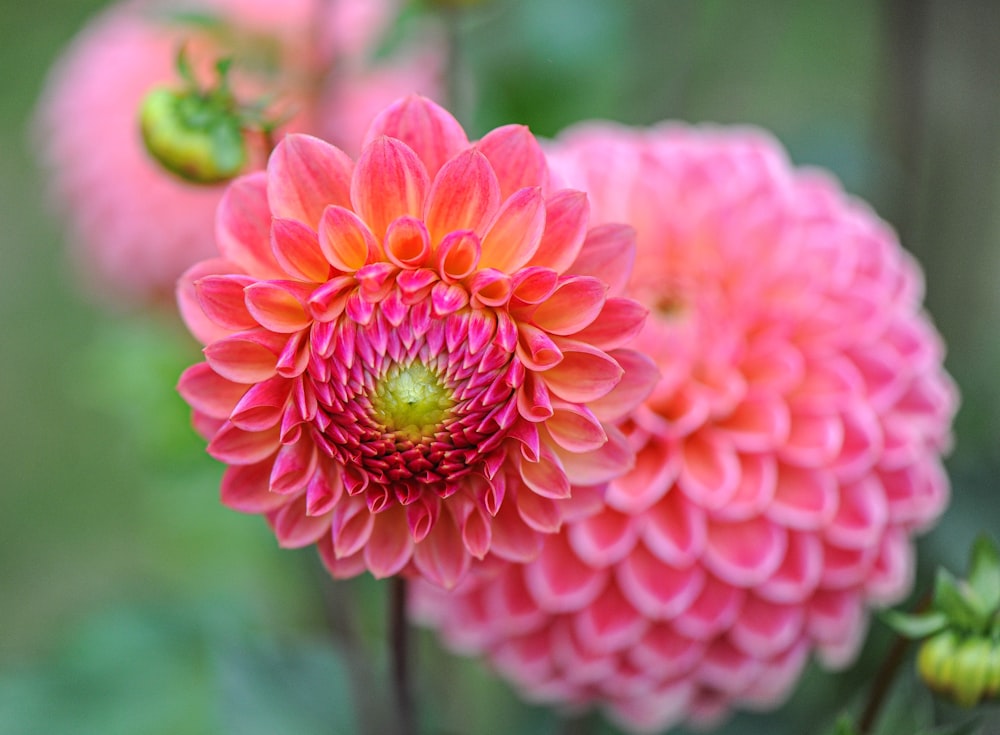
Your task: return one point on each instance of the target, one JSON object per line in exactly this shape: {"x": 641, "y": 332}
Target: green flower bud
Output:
{"x": 972, "y": 663}
{"x": 197, "y": 137}
{"x": 936, "y": 661}
{"x": 993, "y": 677}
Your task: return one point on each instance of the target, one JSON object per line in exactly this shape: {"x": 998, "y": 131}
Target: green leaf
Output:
{"x": 953, "y": 602}
{"x": 984, "y": 573}
{"x": 915, "y": 625}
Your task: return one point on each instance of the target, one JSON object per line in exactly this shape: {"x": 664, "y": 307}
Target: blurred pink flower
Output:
{"x": 790, "y": 450}
{"x": 134, "y": 228}
{"x": 410, "y": 359}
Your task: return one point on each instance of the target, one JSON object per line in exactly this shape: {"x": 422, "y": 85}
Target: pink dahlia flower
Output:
{"x": 412, "y": 358}
{"x": 790, "y": 450}
{"x": 135, "y": 228}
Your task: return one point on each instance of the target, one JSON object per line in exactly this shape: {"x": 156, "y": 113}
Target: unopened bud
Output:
{"x": 963, "y": 669}
{"x": 192, "y": 135}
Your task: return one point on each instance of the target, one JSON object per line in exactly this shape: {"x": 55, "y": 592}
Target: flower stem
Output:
{"x": 399, "y": 640}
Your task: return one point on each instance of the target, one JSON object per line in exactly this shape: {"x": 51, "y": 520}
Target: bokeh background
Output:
{"x": 131, "y": 601}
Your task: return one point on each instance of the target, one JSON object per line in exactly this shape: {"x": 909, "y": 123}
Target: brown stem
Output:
{"x": 399, "y": 640}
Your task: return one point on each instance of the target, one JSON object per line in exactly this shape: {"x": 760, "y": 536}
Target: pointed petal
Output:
{"x": 279, "y": 306}
{"x": 345, "y": 240}
{"x": 638, "y": 381}
{"x": 541, "y": 514}
{"x": 567, "y": 213}
{"x": 516, "y": 231}
{"x": 232, "y": 445}
{"x": 243, "y": 227}
{"x": 294, "y": 466}
{"x": 516, "y": 157}
{"x": 304, "y": 175}
{"x": 390, "y": 545}
{"x": 208, "y": 392}
{"x": 389, "y": 182}
{"x": 619, "y": 321}
{"x": 465, "y": 195}
{"x": 427, "y": 128}
{"x": 221, "y": 299}
{"x": 574, "y": 305}
{"x": 575, "y": 428}
{"x": 246, "y": 488}
{"x": 246, "y": 357}
{"x": 546, "y": 476}
{"x": 262, "y": 406}
{"x": 584, "y": 374}
{"x": 612, "y": 459}
{"x": 296, "y": 248}
{"x": 350, "y": 526}
{"x": 608, "y": 253}
{"x": 294, "y": 528}
{"x": 441, "y": 557}
{"x": 204, "y": 329}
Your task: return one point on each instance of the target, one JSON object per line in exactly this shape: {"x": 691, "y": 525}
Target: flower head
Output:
{"x": 413, "y": 358}
{"x": 790, "y": 450}
{"x": 135, "y": 227}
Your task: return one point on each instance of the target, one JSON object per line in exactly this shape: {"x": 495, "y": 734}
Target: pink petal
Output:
{"x": 638, "y": 381}
{"x": 465, "y": 195}
{"x": 710, "y": 474}
{"x": 611, "y": 460}
{"x": 513, "y": 539}
{"x": 243, "y": 227}
{"x": 674, "y": 529}
{"x": 805, "y": 500}
{"x": 293, "y": 528}
{"x": 477, "y": 533}
{"x": 862, "y": 515}
{"x": 263, "y": 405}
{"x": 325, "y": 489}
{"x": 799, "y": 572}
{"x": 656, "y": 468}
{"x": 575, "y": 428}
{"x": 232, "y": 445}
{"x": 390, "y": 546}
{"x": 584, "y": 374}
{"x": 566, "y": 215}
{"x": 345, "y": 240}
{"x": 758, "y": 480}
{"x": 221, "y": 299}
{"x": 294, "y": 466}
{"x": 546, "y": 477}
{"x": 536, "y": 349}
{"x": 304, "y": 176}
{"x": 457, "y": 256}
{"x": 389, "y": 182}
{"x": 659, "y": 591}
{"x": 516, "y": 157}
{"x": 713, "y": 611}
{"x": 296, "y": 248}
{"x": 746, "y": 553}
{"x": 617, "y": 324}
{"x": 607, "y": 253}
{"x": 351, "y": 526}
{"x": 764, "y": 629}
{"x": 424, "y": 126}
{"x": 574, "y": 305}
{"x": 515, "y": 233}
{"x": 246, "y": 357}
{"x": 441, "y": 557}
{"x": 758, "y": 424}
{"x": 279, "y": 306}
{"x": 246, "y": 488}
{"x": 813, "y": 439}
{"x": 208, "y": 392}
{"x": 665, "y": 651}
{"x": 204, "y": 329}
{"x": 559, "y": 581}
{"x": 610, "y": 623}
{"x": 604, "y": 538}
{"x": 538, "y": 512}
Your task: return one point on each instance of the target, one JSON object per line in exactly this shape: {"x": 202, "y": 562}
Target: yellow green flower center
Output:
{"x": 411, "y": 401}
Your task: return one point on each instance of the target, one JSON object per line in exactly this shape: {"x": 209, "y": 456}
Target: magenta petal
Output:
{"x": 559, "y": 581}
{"x": 294, "y": 466}
{"x": 304, "y": 175}
{"x": 427, "y": 128}
{"x": 243, "y": 227}
{"x": 389, "y": 182}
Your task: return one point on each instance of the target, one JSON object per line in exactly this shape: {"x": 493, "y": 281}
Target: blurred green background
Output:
{"x": 133, "y": 602}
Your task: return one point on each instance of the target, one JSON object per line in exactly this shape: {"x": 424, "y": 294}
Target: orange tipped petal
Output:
{"x": 322, "y": 176}
{"x": 389, "y": 182}
{"x": 567, "y": 214}
{"x": 516, "y": 157}
{"x": 243, "y": 227}
{"x": 465, "y": 195}
{"x": 345, "y": 240}
{"x": 515, "y": 233}
{"x": 296, "y": 248}
{"x": 427, "y": 128}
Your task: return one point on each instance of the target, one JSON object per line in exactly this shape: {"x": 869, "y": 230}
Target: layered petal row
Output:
{"x": 788, "y": 454}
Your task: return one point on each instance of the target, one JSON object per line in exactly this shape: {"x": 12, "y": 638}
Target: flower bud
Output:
{"x": 936, "y": 661}
{"x": 193, "y": 135}
{"x": 972, "y": 662}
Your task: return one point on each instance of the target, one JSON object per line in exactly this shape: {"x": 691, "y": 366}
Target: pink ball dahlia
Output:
{"x": 790, "y": 450}
{"x": 135, "y": 228}
{"x": 412, "y": 358}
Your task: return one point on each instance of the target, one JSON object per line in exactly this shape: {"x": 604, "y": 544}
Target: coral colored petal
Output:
{"x": 389, "y": 182}
{"x": 710, "y": 474}
{"x": 566, "y": 216}
{"x": 441, "y": 557}
{"x": 559, "y": 581}
{"x": 610, "y": 623}
{"x": 390, "y": 545}
{"x": 805, "y": 500}
{"x": 574, "y": 305}
{"x": 350, "y": 526}
{"x": 516, "y": 157}
{"x": 640, "y": 378}
{"x": 428, "y": 129}
{"x": 765, "y": 629}
{"x": 345, "y": 240}
{"x": 294, "y": 466}
{"x": 296, "y": 248}
{"x": 617, "y": 324}
{"x": 294, "y": 528}
{"x": 304, "y": 175}
{"x": 458, "y": 256}
{"x": 608, "y": 253}
{"x": 263, "y": 405}
{"x": 465, "y": 195}
{"x": 746, "y": 553}
{"x": 245, "y": 357}
{"x": 513, "y": 540}
{"x": 659, "y": 591}
{"x": 279, "y": 306}
{"x": 204, "y": 329}
{"x": 758, "y": 424}
{"x": 600, "y": 465}
{"x": 208, "y": 392}
{"x": 407, "y": 243}
{"x": 575, "y": 428}
{"x": 584, "y": 374}
{"x": 243, "y": 227}
{"x": 546, "y": 477}
{"x": 222, "y": 300}
{"x": 755, "y": 491}
{"x": 515, "y": 233}
{"x": 246, "y": 488}
{"x": 538, "y": 512}
{"x": 657, "y": 466}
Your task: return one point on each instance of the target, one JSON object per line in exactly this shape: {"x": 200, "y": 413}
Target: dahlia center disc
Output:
{"x": 411, "y": 401}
